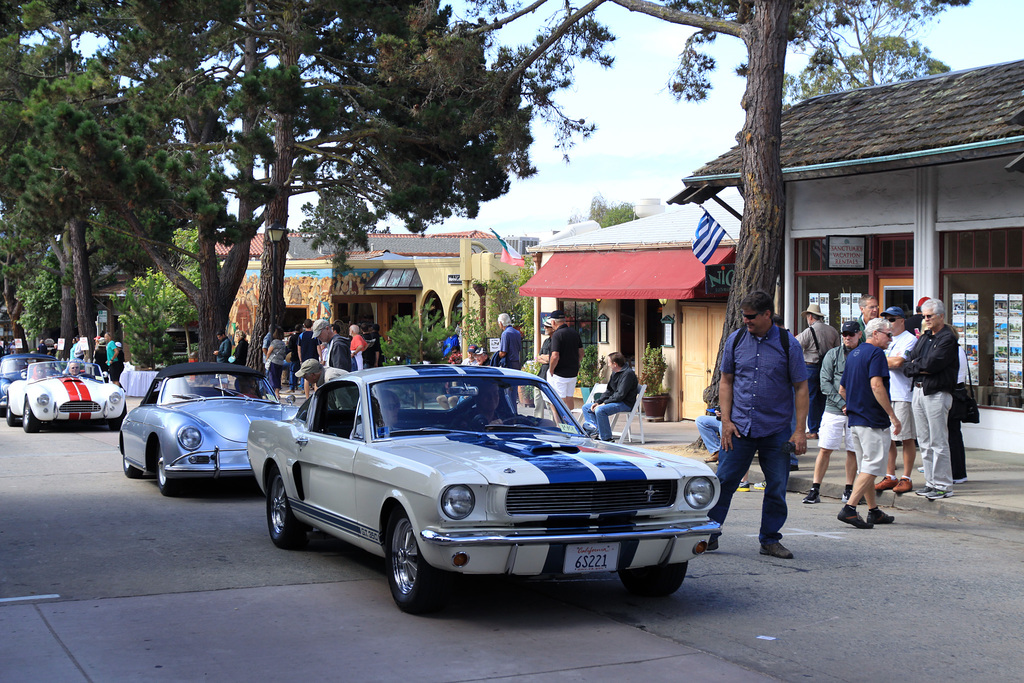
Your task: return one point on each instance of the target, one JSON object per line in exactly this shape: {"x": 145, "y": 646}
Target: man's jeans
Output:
{"x": 930, "y": 420}
{"x": 710, "y": 429}
{"x": 599, "y": 415}
{"x": 732, "y": 467}
{"x": 815, "y": 399}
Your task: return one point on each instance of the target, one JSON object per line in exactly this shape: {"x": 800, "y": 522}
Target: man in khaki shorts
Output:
{"x": 901, "y": 393}
{"x": 865, "y": 388}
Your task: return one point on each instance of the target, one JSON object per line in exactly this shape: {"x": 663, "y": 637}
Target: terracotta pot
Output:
{"x": 654, "y": 407}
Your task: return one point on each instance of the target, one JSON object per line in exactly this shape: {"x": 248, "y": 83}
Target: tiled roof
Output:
{"x": 675, "y": 226}
{"x": 932, "y": 113}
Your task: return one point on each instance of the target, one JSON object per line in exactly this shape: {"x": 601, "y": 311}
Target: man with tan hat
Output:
{"x": 312, "y": 372}
{"x": 817, "y": 340}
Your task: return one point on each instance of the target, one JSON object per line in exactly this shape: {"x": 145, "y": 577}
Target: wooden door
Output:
{"x": 702, "y": 330}
{"x": 896, "y": 291}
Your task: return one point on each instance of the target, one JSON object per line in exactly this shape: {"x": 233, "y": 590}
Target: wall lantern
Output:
{"x": 602, "y": 329}
{"x": 667, "y": 325}
{"x": 662, "y": 301}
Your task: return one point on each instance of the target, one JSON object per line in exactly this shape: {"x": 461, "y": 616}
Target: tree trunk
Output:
{"x": 67, "y": 318}
{"x": 762, "y": 229}
{"x": 84, "y": 305}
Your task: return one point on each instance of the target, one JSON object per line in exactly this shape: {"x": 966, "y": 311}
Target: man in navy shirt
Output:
{"x": 764, "y": 380}
{"x": 865, "y": 386}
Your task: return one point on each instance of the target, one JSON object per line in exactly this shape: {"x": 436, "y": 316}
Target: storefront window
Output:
{"x": 837, "y": 292}
{"x": 582, "y": 315}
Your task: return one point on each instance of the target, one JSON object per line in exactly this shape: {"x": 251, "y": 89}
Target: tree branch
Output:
{"x": 673, "y": 16}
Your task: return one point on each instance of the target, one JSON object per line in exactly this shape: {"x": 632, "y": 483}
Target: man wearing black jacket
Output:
{"x": 619, "y": 397}
{"x": 932, "y": 367}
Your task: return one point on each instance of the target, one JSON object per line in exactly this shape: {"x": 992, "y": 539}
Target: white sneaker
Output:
{"x": 921, "y": 469}
{"x": 960, "y": 481}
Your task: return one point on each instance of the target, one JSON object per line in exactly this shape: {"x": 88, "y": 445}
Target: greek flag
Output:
{"x": 709, "y": 234}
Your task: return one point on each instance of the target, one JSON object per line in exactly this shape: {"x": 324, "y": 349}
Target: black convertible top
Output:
{"x": 183, "y": 369}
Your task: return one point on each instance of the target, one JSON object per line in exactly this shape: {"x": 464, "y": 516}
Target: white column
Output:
{"x": 926, "y": 239}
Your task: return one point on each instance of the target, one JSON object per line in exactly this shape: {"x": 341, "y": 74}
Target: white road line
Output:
{"x": 52, "y": 596}
{"x": 834, "y": 535}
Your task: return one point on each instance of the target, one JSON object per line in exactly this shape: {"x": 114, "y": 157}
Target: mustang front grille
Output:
{"x": 80, "y": 407}
{"x": 600, "y": 497}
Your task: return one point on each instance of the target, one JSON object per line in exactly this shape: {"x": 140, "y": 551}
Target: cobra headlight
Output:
{"x": 115, "y": 398}
{"x": 699, "y": 492}
{"x": 190, "y": 438}
{"x": 43, "y": 399}
{"x": 458, "y": 501}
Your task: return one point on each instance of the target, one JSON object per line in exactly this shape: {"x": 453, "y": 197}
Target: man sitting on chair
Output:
{"x": 618, "y": 398}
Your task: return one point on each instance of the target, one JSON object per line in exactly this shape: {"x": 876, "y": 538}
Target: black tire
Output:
{"x": 115, "y": 423}
{"x": 130, "y": 470}
{"x": 29, "y": 422}
{"x": 12, "y": 419}
{"x": 655, "y": 581}
{"x": 168, "y": 486}
{"x": 286, "y": 531}
{"x": 416, "y": 587}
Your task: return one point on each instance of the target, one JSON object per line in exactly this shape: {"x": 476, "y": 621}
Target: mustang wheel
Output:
{"x": 130, "y": 471}
{"x": 285, "y": 531}
{"x": 12, "y": 419}
{"x": 416, "y": 586}
{"x": 169, "y": 487}
{"x": 654, "y": 581}
{"x": 29, "y": 422}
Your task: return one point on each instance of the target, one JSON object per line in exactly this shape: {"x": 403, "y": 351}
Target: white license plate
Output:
{"x": 591, "y": 557}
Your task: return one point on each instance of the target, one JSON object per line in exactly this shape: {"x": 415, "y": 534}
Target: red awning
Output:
{"x": 650, "y": 274}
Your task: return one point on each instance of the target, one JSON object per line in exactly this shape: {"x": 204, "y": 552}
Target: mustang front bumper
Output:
{"x": 532, "y": 552}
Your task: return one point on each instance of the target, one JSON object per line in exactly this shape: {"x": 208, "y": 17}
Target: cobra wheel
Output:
{"x": 416, "y": 587}
{"x": 12, "y": 419}
{"x": 168, "y": 486}
{"x": 29, "y": 422}
{"x": 654, "y": 581}
{"x": 285, "y": 530}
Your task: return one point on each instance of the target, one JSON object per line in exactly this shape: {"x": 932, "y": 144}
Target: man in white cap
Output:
{"x": 817, "y": 340}
{"x": 337, "y": 356}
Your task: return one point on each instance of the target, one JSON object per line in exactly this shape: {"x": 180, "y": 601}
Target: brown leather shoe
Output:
{"x": 712, "y": 458}
{"x": 904, "y": 486}
{"x": 776, "y": 550}
{"x": 886, "y": 484}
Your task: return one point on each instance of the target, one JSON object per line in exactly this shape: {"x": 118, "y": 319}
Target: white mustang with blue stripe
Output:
{"x": 448, "y": 469}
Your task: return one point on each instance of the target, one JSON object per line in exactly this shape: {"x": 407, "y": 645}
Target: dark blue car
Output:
{"x": 12, "y": 368}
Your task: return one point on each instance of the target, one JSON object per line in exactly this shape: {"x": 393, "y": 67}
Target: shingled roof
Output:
{"x": 965, "y": 113}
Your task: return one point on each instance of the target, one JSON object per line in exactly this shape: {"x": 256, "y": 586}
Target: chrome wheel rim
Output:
{"x": 278, "y": 505}
{"x": 161, "y": 474}
{"x": 404, "y": 556}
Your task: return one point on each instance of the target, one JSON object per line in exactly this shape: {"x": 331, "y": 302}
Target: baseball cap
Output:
{"x": 473, "y": 350}
{"x": 850, "y": 327}
{"x": 117, "y": 345}
{"x": 320, "y": 325}
{"x": 895, "y": 311}
{"x": 548, "y": 323}
{"x": 920, "y": 302}
{"x": 557, "y": 315}
{"x": 309, "y": 367}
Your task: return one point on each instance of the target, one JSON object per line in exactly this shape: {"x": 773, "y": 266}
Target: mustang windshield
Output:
{"x": 64, "y": 368}
{"x": 423, "y": 405}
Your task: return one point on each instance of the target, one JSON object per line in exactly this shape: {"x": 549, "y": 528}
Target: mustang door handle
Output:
{"x": 302, "y": 440}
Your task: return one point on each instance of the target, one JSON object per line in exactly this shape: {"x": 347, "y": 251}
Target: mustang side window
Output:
{"x": 338, "y": 412}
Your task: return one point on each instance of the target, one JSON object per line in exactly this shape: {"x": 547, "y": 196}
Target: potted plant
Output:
{"x": 589, "y": 373}
{"x": 526, "y": 392}
{"x": 652, "y": 373}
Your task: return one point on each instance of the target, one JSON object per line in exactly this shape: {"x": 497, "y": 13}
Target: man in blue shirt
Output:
{"x": 511, "y": 349}
{"x": 865, "y": 387}
{"x": 764, "y": 380}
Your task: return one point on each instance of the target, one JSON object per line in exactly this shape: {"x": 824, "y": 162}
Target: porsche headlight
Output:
{"x": 458, "y": 501}
{"x": 189, "y": 438}
{"x": 43, "y": 399}
{"x": 699, "y": 492}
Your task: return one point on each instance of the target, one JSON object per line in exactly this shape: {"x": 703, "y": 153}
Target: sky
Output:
{"x": 646, "y": 141}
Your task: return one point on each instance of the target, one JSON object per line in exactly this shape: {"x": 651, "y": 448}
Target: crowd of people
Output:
{"x": 886, "y": 380}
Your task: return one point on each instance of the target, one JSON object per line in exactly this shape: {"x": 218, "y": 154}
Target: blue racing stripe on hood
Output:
{"x": 613, "y": 468}
{"x": 560, "y": 464}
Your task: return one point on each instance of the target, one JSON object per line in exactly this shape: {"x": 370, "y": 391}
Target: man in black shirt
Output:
{"x": 564, "y": 361}
{"x": 619, "y": 397}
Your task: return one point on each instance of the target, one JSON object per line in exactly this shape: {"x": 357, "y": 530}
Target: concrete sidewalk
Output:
{"x": 994, "y": 488}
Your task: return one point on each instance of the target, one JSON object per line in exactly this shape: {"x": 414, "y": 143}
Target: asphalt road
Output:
{"x": 151, "y": 588}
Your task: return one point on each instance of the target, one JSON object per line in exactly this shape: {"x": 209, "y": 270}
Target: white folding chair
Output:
{"x": 598, "y": 389}
{"x": 636, "y": 414}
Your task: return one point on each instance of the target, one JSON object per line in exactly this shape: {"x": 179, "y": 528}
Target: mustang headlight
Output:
{"x": 698, "y": 492}
{"x": 189, "y": 438}
{"x": 43, "y": 399}
{"x": 458, "y": 501}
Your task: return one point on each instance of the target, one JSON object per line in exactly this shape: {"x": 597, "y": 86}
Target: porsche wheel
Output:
{"x": 130, "y": 470}
{"x": 12, "y": 419}
{"x": 416, "y": 587}
{"x": 654, "y": 581}
{"x": 285, "y": 530}
{"x": 168, "y": 486}
{"x": 29, "y": 422}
